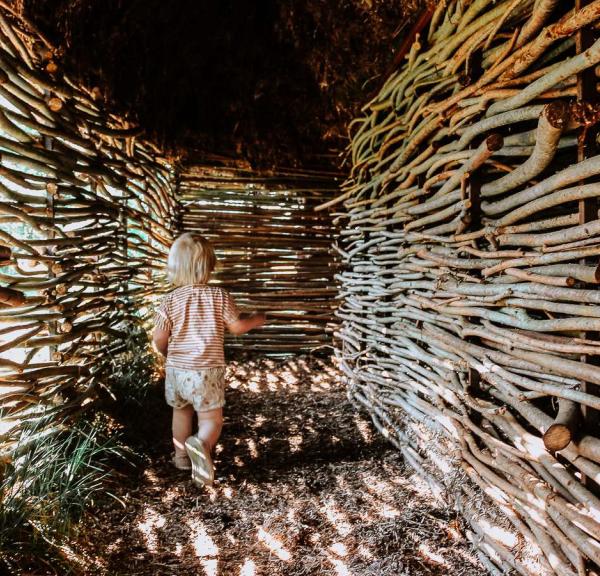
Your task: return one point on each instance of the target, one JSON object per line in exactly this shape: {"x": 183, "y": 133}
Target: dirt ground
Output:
{"x": 304, "y": 486}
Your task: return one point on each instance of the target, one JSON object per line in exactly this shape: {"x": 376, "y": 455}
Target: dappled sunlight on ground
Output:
{"x": 304, "y": 486}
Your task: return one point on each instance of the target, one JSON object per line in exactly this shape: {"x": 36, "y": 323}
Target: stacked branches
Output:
{"x": 274, "y": 251}
{"x": 86, "y": 216}
{"x": 470, "y": 295}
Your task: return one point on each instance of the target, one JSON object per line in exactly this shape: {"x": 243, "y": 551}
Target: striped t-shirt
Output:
{"x": 196, "y": 316}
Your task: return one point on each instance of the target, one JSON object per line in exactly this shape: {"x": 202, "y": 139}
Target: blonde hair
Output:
{"x": 191, "y": 260}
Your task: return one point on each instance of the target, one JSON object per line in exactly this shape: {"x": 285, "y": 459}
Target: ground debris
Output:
{"x": 304, "y": 486}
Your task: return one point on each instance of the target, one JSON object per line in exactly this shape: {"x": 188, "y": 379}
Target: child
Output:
{"x": 190, "y": 325}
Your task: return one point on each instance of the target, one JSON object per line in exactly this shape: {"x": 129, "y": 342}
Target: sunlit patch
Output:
{"x": 274, "y": 545}
{"x": 338, "y": 519}
{"x": 113, "y": 546}
{"x": 150, "y": 474}
{"x": 499, "y": 534}
{"x": 210, "y": 567}
{"x": 178, "y": 549}
{"x": 252, "y": 448}
{"x": 5, "y": 424}
{"x": 273, "y": 386}
{"x": 373, "y": 484}
{"x": 204, "y": 546}
{"x": 295, "y": 442}
{"x": 238, "y": 461}
{"x": 364, "y": 552}
{"x": 388, "y": 511}
{"x": 339, "y": 548}
{"x": 171, "y": 495}
{"x": 148, "y": 526}
{"x": 289, "y": 378}
{"x": 363, "y": 429}
{"x": 432, "y": 556}
{"x": 248, "y": 568}
{"x": 254, "y": 386}
{"x": 213, "y": 493}
{"x": 228, "y": 492}
{"x": 233, "y": 383}
{"x": 340, "y": 567}
{"x": 259, "y": 421}
{"x": 319, "y": 382}
{"x": 420, "y": 486}
{"x": 443, "y": 464}
{"x": 314, "y": 538}
{"x": 453, "y": 530}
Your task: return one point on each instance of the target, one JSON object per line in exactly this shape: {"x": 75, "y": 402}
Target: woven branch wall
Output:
{"x": 470, "y": 301}
{"x": 86, "y": 214}
{"x": 274, "y": 250}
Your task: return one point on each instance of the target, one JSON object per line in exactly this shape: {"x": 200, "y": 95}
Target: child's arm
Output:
{"x": 160, "y": 339}
{"x": 247, "y": 323}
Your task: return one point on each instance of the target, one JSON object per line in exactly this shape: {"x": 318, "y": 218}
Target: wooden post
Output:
{"x": 588, "y": 208}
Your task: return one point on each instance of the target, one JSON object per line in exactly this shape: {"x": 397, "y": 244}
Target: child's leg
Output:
{"x": 182, "y": 427}
{"x": 210, "y": 424}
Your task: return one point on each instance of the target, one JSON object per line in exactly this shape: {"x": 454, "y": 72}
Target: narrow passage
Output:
{"x": 305, "y": 486}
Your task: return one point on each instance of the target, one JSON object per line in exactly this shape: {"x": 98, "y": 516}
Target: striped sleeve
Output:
{"x": 230, "y": 310}
{"x": 161, "y": 317}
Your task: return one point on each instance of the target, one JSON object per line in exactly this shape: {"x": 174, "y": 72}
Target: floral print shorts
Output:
{"x": 203, "y": 389}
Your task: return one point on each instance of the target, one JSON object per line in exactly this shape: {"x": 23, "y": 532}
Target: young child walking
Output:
{"x": 190, "y": 325}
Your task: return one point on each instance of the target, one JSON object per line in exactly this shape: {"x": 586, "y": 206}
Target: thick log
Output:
{"x": 562, "y": 431}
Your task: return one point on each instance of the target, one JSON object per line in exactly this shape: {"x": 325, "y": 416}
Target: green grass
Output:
{"x": 49, "y": 483}
{"x": 62, "y": 467}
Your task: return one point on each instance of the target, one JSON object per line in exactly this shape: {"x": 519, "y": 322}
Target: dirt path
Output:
{"x": 304, "y": 487}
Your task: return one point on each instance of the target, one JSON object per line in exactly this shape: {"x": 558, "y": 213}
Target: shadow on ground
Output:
{"x": 304, "y": 487}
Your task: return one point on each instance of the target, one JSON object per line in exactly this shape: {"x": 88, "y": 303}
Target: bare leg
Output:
{"x": 182, "y": 428}
{"x": 209, "y": 427}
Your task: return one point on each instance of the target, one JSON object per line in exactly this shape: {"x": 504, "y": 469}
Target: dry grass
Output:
{"x": 304, "y": 487}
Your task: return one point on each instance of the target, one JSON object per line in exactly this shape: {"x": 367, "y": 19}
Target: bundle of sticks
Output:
{"x": 274, "y": 251}
{"x": 87, "y": 212}
{"x": 470, "y": 305}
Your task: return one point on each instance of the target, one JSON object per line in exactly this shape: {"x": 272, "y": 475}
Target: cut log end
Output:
{"x": 494, "y": 142}
{"x": 55, "y": 104}
{"x": 557, "y": 437}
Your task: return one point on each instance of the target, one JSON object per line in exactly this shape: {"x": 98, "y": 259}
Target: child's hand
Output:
{"x": 245, "y": 324}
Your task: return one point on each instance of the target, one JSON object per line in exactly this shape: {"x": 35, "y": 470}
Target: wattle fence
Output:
{"x": 274, "y": 250}
{"x": 87, "y": 213}
{"x": 470, "y": 305}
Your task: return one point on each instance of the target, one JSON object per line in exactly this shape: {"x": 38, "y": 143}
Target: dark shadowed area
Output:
{"x": 275, "y": 81}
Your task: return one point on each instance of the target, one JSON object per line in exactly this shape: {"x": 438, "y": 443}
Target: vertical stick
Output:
{"x": 588, "y": 208}
{"x": 52, "y": 324}
{"x": 124, "y": 244}
{"x": 474, "y": 71}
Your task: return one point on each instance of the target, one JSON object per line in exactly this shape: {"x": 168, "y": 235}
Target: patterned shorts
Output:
{"x": 203, "y": 389}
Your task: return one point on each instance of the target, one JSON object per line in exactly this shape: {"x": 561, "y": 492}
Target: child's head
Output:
{"x": 191, "y": 260}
